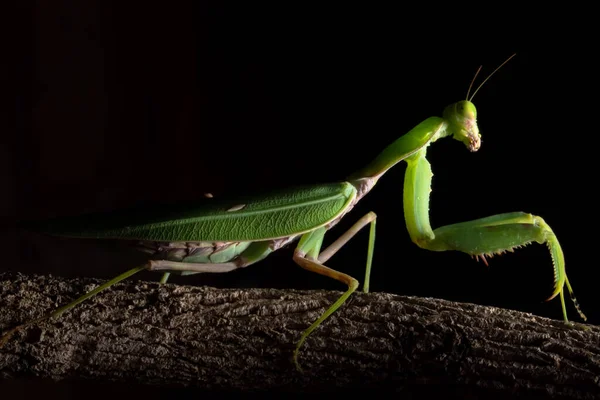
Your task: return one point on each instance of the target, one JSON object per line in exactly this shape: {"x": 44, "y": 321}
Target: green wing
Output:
{"x": 275, "y": 215}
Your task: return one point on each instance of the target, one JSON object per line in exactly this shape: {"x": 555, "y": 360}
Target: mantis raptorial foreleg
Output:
{"x": 482, "y": 237}
{"x": 308, "y": 256}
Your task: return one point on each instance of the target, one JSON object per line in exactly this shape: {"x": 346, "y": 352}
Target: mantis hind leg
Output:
{"x": 6, "y": 337}
{"x": 497, "y": 234}
{"x": 255, "y": 252}
{"x": 165, "y": 277}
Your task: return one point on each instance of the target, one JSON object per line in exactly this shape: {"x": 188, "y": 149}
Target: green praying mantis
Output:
{"x": 226, "y": 235}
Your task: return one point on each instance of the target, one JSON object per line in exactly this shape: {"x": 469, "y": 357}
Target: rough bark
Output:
{"x": 242, "y": 340}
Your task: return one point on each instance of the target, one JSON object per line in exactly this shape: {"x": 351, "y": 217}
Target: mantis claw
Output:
{"x": 496, "y": 234}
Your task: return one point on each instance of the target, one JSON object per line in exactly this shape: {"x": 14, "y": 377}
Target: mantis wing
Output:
{"x": 279, "y": 214}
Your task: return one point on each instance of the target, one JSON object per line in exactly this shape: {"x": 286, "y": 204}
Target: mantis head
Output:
{"x": 462, "y": 123}
{"x": 459, "y": 120}
{"x": 462, "y": 116}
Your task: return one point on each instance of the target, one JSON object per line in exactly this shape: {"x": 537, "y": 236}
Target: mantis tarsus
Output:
{"x": 227, "y": 235}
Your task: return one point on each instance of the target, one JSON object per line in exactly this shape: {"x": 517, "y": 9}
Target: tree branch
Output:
{"x": 240, "y": 340}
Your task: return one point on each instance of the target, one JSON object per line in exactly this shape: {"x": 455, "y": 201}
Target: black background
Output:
{"x": 116, "y": 104}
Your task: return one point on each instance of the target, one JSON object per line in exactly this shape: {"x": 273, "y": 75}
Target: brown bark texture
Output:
{"x": 242, "y": 340}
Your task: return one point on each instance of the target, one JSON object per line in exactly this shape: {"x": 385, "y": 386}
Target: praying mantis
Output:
{"x": 225, "y": 235}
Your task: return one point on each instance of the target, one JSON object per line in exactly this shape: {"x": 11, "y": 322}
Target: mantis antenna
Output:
{"x": 486, "y": 79}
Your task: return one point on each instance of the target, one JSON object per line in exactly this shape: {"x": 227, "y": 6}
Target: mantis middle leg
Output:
{"x": 308, "y": 256}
